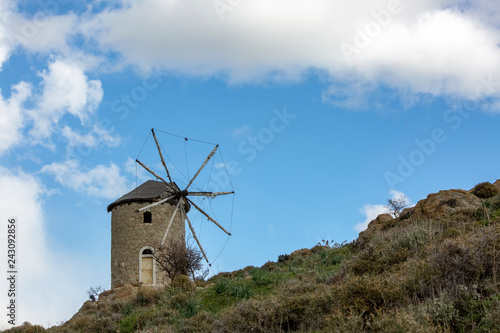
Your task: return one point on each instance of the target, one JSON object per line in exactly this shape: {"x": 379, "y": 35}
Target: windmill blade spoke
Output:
{"x": 197, "y": 240}
{"x": 161, "y": 155}
{"x": 209, "y": 194}
{"x": 202, "y": 166}
{"x": 153, "y": 173}
{"x": 170, "y": 223}
{"x": 155, "y": 204}
{"x": 208, "y": 217}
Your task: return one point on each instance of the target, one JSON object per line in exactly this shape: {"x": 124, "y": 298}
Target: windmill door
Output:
{"x": 147, "y": 270}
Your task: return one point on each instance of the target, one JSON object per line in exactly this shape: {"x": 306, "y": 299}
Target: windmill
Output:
{"x": 183, "y": 197}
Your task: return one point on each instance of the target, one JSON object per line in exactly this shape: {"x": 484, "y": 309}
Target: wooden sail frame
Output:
{"x": 182, "y": 197}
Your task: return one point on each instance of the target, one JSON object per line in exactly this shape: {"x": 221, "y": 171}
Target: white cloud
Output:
{"x": 50, "y": 282}
{"x": 12, "y": 116}
{"x": 96, "y": 137}
{"x": 43, "y": 33}
{"x": 77, "y": 139}
{"x": 66, "y": 90}
{"x": 428, "y": 47}
{"x": 7, "y": 43}
{"x": 440, "y": 47}
{"x": 372, "y": 211}
{"x": 101, "y": 181}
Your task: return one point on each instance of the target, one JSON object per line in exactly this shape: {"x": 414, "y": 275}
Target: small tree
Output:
{"x": 396, "y": 205}
{"x": 94, "y": 292}
{"x": 176, "y": 259}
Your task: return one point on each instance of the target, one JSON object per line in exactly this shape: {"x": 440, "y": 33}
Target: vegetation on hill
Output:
{"x": 435, "y": 268}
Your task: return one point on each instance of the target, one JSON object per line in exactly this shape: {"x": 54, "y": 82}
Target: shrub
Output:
{"x": 491, "y": 320}
{"x": 176, "y": 258}
{"x": 240, "y": 291}
{"x": 191, "y": 307}
{"x": 221, "y": 285}
{"x": 147, "y": 295}
{"x": 485, "y": 190}
{"x": 283, "y": 257}
{"x": 495, "y": 205}
{"x": 303, "y": 311}
{"x": 460, "y": 313}
{"x": 260, "y": 277}
{"x": 408, "y": 319}
{"x": 458, "y": 264}
{"x": 201, "y": 322}
{"x": 250, "y": 316}
{"x": 27, "y": 328}
{"x": 129, "y": 323}
{"x": 178, "y": 301}
{"x": 183, "y": 282}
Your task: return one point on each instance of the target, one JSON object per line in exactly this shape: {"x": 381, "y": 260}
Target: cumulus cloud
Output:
{"x": 48, "y": 278}
{"x": 66, "y": 90}
{"x": 12, "y": 116}
{"x": 42, "y": 33}
{"x": 101, "y": 181}
{"x": 372, "y": 211}
{"x": 439, "y": 47}
{"x": 428, "y": 47}
{"x": 7, "y": 43}
{"x": 94, "y": 138}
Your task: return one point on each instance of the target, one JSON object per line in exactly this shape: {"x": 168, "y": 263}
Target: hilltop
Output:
{"x": 434, "y": 268}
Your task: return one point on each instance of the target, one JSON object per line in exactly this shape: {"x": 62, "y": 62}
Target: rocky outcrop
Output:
{"x": 382, "y": 222}
{"x": 456, "y": 204}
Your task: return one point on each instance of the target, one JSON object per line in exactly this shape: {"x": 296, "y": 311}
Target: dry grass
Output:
{"x": 414, "y": 276}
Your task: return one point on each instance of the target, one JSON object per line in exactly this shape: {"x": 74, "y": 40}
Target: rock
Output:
{"x": 382, "y": 222}
{"x": 445, "y": 204}
{"x": 406, "y": 213}
{"x": 300, "y": 253}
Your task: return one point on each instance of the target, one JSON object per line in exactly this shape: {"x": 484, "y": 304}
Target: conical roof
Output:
{"x": 149, "y": 191}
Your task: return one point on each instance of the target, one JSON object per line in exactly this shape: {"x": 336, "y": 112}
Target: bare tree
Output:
{"x": 396, "y": 205}
{"x": 94, "y": 292}
{"x": 175, "y": 258}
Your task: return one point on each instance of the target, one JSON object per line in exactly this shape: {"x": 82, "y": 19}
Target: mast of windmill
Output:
{"x": 182, "y": 197}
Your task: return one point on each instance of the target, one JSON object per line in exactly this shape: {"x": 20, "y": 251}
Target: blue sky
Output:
{"x": 322, "y": 109}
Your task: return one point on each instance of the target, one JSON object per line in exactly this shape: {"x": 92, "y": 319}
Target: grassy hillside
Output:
{"x": 433, "y": 269}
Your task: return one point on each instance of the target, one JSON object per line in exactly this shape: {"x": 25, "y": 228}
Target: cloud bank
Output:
{"x": 48, "y": 277}
{"x": 439, "y": 48}
{"x": 430, "y": 47}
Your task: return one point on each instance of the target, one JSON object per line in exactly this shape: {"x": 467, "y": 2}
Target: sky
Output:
{"x": 322, "y": 110}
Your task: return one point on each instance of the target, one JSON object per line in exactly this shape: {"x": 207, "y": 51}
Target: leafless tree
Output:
{"x": 396, "y": 205}
{"x": 178, "y": 259}
{"x": 94, "y": 292}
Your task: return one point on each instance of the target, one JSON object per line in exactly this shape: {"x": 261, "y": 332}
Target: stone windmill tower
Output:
{"x": 149, "y": 216}
{"x": 135, "y": 234}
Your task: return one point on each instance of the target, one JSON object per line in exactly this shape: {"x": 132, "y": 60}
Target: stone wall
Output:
{"x": 129, "y": 234}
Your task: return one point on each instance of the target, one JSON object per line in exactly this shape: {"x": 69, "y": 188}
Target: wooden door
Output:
{"x": 147, "y": 270}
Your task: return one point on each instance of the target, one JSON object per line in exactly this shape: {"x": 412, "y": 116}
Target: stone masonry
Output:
{"x": 129, "y": 234}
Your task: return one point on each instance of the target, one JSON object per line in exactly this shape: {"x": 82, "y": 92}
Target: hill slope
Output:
{"x": 433, "y": 269}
